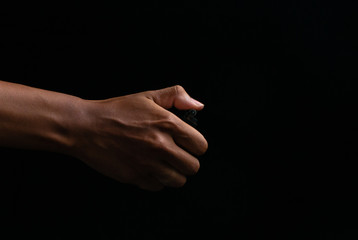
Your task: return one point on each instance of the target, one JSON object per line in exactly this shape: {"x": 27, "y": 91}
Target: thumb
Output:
{"x": 175, "y": 96}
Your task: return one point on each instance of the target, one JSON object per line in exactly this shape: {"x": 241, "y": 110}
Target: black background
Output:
{"x": 279, "y": 81}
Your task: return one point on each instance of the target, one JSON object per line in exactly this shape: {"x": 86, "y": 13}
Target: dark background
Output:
{"x": 279, "y": 80}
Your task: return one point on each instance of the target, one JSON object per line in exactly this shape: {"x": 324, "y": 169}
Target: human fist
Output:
{"x": 135, "y": 139}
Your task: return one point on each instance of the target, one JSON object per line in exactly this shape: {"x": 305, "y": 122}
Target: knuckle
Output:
{"x": 170, "y": 123}
{"x": 179, "y": 89}
{"x": 171, "y": 118}
{"x": 160, "y": 143}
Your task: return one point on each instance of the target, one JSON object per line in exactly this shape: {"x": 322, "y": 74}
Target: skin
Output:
{"x": 133, "y": 139}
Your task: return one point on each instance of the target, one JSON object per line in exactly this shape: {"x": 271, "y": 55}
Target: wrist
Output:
{"x": 73, "y": 125}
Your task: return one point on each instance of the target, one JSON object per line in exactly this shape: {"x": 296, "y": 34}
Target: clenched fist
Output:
{"x": 135, "y": 139}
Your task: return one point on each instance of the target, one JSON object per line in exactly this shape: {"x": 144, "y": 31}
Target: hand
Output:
{"x": 135, "y": 140}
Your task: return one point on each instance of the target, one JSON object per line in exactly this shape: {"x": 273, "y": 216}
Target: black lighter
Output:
{"x": 189, "y": 117}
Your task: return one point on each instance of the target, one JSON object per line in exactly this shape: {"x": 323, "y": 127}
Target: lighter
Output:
{"x": 189, "y": 117}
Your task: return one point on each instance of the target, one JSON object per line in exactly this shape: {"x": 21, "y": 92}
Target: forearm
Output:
{"x": 36, "y": 119}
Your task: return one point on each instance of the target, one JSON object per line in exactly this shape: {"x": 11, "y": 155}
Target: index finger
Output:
{"x": 188, "y": 137}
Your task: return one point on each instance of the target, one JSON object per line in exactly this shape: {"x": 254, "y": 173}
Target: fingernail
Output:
{"x": 197, "y": 103}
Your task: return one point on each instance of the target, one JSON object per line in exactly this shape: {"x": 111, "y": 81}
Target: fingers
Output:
{"x": 174, "y": 97}
{"x": 189, "y": 138}
{"x": 183, "y": 134}
{"x": 169, "y": 169}
{"x": 177, "y": 144}
{"x": 171, "y": 166}
{"x": 181, "y": 160}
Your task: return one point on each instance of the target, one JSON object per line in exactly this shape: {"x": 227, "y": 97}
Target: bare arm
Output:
{"x": 132, "y": 138}
{"x": 36, "y": 119}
